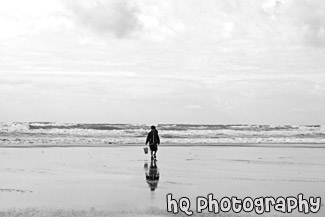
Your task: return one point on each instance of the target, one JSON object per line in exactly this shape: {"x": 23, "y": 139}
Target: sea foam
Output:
{"x": 82, "y": 133}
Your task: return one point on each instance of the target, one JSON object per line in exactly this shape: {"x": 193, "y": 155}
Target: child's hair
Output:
{"x": 153, "y": 127}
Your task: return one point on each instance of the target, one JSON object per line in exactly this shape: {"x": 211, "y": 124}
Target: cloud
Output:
{"x": 106, "y": 17}
{"x": 311, "y": 20}
{"x": 229, "y": 59}
{"x": 266, "y": 22}
{"x": 193, "y": 106}
{"x": 302, "y": 21}
{"x": 24, "y": 18}
{"x": 263, "y": 23}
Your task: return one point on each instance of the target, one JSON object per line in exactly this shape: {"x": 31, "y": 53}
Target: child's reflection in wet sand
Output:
{"x": 152, "y": 174}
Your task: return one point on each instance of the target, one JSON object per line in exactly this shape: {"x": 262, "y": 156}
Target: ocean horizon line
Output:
{"x": 157, "y": 124}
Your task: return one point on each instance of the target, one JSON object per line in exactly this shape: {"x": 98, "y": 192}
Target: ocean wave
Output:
{"x": 33, "y": 132}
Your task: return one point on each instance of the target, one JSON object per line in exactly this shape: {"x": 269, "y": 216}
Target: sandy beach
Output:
{"x": 101, "y": 181}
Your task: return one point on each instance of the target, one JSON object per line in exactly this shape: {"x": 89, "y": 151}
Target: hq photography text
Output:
{"x": 260, "y": 205}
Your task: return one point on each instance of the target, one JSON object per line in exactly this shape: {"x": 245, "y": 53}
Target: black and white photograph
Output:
{"x": 162, "y": 108}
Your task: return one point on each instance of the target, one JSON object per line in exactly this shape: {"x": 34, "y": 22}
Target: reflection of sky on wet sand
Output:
{"x": 115, "y": 178}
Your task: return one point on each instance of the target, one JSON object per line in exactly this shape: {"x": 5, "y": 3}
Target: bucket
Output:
{"x": 145, "y": 149}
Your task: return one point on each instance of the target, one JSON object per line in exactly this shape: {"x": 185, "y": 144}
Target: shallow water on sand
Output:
{"x": 123, "y": 178}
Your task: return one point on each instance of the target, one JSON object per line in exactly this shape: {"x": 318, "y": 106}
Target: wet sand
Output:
{"x": 99, "y": 181}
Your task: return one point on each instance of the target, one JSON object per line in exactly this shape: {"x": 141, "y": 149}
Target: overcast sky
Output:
{"x": 163, "y": 61}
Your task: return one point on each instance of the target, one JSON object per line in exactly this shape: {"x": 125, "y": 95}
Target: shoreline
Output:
{"x": 104, "y": 145}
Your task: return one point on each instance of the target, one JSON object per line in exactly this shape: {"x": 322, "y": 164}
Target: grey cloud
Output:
{"x": 304, "y": 18}
{"x": 310, "y": 18}
{"x": 270, "y": 21}
{"x": 106, "y": 17}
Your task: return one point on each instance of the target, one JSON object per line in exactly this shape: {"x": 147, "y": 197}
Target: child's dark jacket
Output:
{"x": 153, "y": 137}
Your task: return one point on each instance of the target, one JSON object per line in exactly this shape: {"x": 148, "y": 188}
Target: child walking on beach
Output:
{"x": 154, "y": 141}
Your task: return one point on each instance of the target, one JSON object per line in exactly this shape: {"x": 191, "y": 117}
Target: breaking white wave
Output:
{"x": 68, "y": 133}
